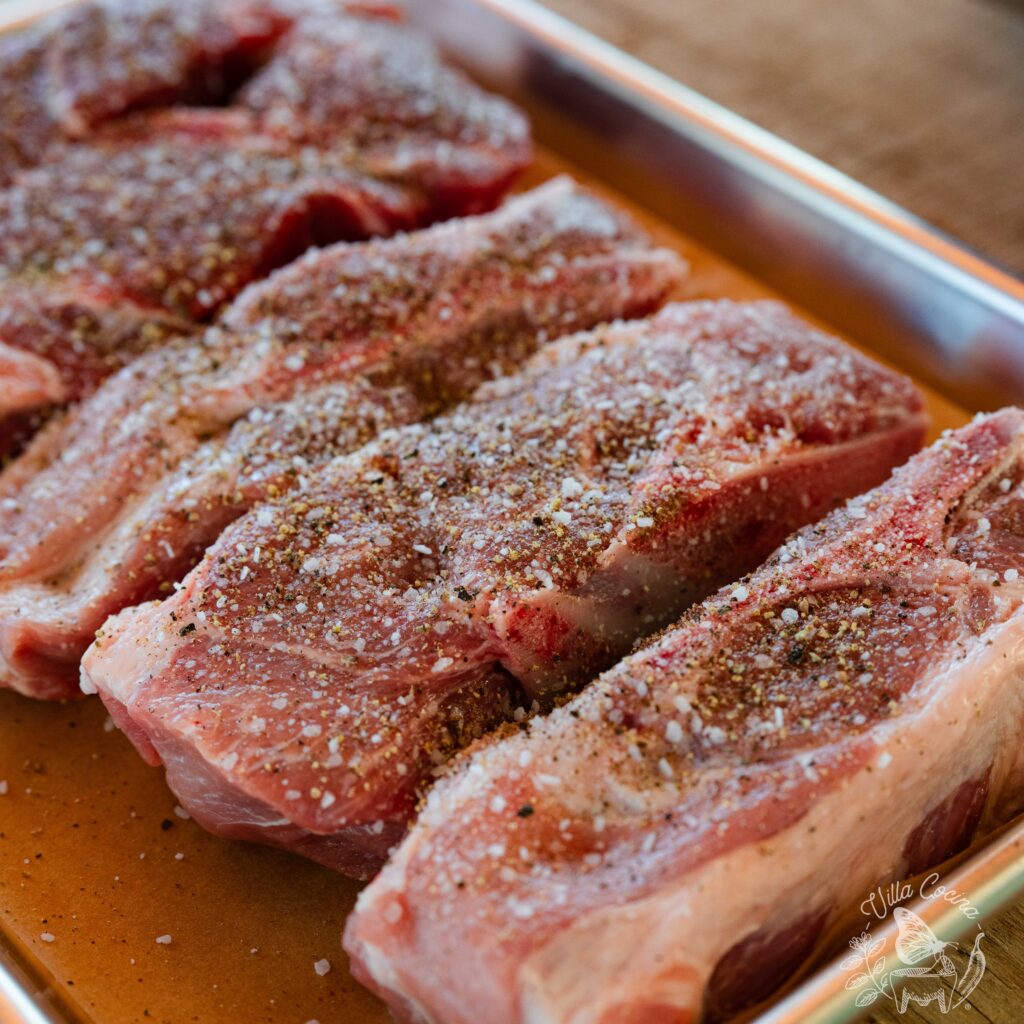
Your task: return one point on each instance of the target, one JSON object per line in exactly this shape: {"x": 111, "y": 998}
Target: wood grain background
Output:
{"x": 922, "y": 100}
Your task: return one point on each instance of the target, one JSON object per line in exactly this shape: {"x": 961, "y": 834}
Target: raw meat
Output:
{"x": 64, "y": 75}
{"x": 352, "y": 128}
{"x": 61, "y": 339}
{"x": 671, "y": 844}
{"x": 336, "y": 645}
{"x": 375, "y": 93}
{"x": 116, "y": 502}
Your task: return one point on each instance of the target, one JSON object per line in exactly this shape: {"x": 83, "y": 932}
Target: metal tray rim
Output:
{"x": 944, "y": 253}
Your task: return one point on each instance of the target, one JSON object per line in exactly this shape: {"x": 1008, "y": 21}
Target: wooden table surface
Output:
{"x": 922, "y": 100}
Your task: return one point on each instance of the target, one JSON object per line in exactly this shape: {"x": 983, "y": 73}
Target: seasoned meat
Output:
{"x": 338, "y": 644}
{"x": 115, "y": 502}
{"x": 688, "y": 827}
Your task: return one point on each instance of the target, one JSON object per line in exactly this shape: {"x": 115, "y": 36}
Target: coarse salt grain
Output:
{"x": 790, "y": 616}
{"x": 163, "y": 940}
{"x": 47, "y": 936}
{"x": 1010, "y": 575}
{"x": 322, "y": 967}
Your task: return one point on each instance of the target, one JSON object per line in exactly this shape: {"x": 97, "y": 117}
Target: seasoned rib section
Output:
{"x": 352, "y": 128}
{"x": 336, "y": 645}
{"x": 116, "y": 502}
{"x": 105, "y": 58}
{"x": 26, "y": 380}
{"x": 60, "y": 340}
{"x": 671, "y": 844}
{"x": 388, "y": 106}
{"x": 65, "y": 75}
{"x": 106, "y": 255}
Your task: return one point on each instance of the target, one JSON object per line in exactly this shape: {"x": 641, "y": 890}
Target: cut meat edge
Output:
{"x": 27, "y": 381}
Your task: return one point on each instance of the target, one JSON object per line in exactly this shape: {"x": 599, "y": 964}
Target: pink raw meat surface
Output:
{"x": 671, "y": 844}
{"x": 353, "y": 127}
{"x": 64, "y": 75}
{"x": 337, "y": 645}
{"x": 115, "y": 502}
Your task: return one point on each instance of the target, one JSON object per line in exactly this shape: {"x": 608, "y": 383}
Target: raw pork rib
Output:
{"x": 117, "y": 502}
{"x": 353, "y": 128}
{"x": 670, "y": 845}
{"x": 65, "y": 74}
{"x": 336, "y": 645}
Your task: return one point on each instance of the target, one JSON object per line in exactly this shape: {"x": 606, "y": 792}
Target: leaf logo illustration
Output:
{"x": 929, "y": 976}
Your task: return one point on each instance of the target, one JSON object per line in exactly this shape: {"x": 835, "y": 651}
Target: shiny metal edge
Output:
{"x": 23, "y": 998}
{"x": 837, "y": 248}
{"x": 799, "y": 224}
{"x": 17, "y": 1006}
{"x": 992, "y": 879}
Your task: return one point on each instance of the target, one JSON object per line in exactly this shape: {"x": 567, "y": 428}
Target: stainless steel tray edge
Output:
{"x": 993, "y": 877}
{"x": 22, "y": 1000}
{"x": 859, "y": 261}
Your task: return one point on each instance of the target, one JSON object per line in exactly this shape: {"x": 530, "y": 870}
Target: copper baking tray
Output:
{"x": 92, "y": 852}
